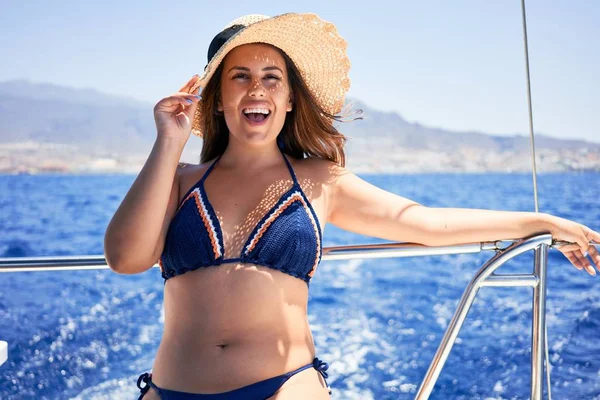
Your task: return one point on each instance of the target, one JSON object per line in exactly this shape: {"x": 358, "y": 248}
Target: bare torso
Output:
{"x": 235, "y": 324}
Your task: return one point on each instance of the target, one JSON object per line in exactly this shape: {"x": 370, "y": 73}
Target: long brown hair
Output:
{"x": 308, "y": 130}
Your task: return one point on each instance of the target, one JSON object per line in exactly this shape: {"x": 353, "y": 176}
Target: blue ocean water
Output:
{"x": 89, "y": 334}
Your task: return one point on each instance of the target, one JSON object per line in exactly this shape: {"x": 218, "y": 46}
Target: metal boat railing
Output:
{"x": 505, "y": 250}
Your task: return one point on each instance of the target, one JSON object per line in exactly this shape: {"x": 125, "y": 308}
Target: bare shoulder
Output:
{"x": 320, "y": 179}
{"x": 320, "y": 170}
{"x": 188, "y": 175}
{"x": 184, "y": 169}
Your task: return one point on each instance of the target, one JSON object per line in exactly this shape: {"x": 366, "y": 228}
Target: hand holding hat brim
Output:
{"x": 173, "y": 114}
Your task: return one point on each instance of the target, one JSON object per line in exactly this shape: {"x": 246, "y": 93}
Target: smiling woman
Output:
{"x": 267, "y": 127}
{"x": 238, "y": 237}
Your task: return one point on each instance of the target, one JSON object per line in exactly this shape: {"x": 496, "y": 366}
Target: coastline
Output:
{"x": 35, "y": 157}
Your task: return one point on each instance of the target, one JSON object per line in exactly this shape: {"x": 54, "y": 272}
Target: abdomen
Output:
{"x": 232, "y": 325}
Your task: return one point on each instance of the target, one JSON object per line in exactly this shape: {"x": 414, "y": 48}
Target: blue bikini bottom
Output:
{"x": 255, "y": 391}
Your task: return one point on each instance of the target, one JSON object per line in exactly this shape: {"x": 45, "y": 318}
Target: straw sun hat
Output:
{"x": 314, "y": 45}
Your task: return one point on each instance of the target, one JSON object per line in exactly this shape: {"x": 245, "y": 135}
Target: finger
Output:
{"x": 196, "y": 88}
{"x": 190, "y": 110}
{"x": 574, "y": 260}
{"x": 594, "y": 255}
{"x": 592, "y": 235}
{"x": 567, "y": 247}
{"x": 584, "y": 261}
{"x": 192, "y": 97}
{"x": 583, "y": 242}
{"x": 588, "y": 235}
{"x": 176, "y": 102}
{"x": 188, "y": 99}
{"x": 188, "y": 103}
{"x": 186, "y": 88}
{"x": 184, "y": 101}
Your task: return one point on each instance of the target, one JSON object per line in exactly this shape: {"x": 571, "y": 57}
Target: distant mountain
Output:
{"x": 94, "y": 121}
{"x": 103, "y": 125}
{"x": 391, "y": 127}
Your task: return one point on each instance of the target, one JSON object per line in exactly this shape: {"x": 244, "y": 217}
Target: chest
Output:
{"x": 240, "y": 201}
{"x": 263, "y": 219}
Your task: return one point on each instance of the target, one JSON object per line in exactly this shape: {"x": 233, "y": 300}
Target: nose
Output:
{"x": 256, "y": 89}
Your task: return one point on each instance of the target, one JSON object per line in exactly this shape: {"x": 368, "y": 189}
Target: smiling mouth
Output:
{"x": 257, "y": 118}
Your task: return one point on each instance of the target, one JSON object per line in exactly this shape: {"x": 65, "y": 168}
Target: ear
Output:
{"x": 219, "y": 106}
{"x": 290, "y": 103}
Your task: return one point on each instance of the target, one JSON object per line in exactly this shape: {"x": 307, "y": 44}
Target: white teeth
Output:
{"x": 256, "y": 111}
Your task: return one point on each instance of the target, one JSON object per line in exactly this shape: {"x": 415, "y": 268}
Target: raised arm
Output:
{"x": 131, "y": 241}
{"x": 360, "y": 207}
{"x": 135, "y": 236}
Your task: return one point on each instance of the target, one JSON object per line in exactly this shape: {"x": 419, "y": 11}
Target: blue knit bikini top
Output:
{"x": 287, "y": 239}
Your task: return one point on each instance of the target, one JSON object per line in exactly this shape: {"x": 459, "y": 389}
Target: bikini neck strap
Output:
{"x": 289, "y": 166}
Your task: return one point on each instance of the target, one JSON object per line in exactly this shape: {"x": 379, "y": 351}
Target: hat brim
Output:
{"x": 315, "y": 47}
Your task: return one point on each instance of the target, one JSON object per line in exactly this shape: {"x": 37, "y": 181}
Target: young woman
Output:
{"x": 239, "y": 236}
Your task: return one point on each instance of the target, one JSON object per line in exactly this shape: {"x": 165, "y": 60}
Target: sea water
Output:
{"x": 378, "y": 323}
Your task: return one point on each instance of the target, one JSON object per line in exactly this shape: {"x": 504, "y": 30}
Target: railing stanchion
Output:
{"x": 478, "y": 281}
{"x": 538, "y": 326}
{"x": 447, "y": 342}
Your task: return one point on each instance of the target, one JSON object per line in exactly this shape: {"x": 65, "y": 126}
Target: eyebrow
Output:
{"x": 248, "y": 69}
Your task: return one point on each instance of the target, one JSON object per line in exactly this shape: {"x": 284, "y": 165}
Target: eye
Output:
{"x": 245, "y": 76}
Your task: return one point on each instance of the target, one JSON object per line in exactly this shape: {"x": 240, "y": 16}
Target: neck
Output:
{"x": 238, "y": 156}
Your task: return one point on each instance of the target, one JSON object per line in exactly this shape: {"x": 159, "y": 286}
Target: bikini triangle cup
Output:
{"x": 288, "y": 237}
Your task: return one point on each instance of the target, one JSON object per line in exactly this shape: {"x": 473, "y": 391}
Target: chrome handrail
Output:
{"x": 479, "y": 280}
{"x": 485, "y": 277}
{"x": 385, "y": 250}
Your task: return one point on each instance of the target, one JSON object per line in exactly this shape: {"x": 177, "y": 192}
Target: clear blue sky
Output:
{"x": 452, "y": 64}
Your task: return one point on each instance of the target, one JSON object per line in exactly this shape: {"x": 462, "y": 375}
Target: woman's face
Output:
{"x": 255, "y": 93}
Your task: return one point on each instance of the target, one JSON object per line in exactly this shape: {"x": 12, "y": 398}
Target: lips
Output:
{"x": 256, "y": 118}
